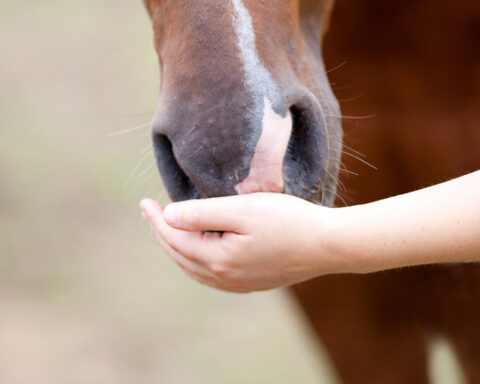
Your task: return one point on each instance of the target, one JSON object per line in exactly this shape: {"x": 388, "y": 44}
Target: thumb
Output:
{"x": 215, "y": 214}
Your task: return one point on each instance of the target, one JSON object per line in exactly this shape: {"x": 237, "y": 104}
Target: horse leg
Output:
{"x": 457, "y": 292}
{"x": 466, "y": 342}
{"x": 380, "y": 358}
{"x": 470, "y": 363}
{"x": 368, "y": 328}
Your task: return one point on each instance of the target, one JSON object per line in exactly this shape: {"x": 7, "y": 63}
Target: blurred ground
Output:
{"x": 86, "y": 296}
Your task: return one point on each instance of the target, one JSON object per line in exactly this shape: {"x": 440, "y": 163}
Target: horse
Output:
{"x": 246, "y": 106}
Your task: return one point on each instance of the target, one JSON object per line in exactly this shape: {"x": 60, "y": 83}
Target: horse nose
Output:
{"x": 266, "y": 166}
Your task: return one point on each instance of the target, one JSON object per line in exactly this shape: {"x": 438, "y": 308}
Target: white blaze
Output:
{"x": 259, "y": 81}
{"x": 266, "y": 167}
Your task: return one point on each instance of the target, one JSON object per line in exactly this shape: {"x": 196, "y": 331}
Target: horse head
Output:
{"x": 245, "y": 102}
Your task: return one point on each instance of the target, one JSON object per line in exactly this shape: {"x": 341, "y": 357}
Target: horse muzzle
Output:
{"x": 226, "y": 149}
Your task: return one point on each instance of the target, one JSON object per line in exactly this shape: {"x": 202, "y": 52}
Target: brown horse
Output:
{"x": 246, "y": 106}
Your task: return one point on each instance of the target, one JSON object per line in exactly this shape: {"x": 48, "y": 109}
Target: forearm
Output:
{"x": 440, "y": 224}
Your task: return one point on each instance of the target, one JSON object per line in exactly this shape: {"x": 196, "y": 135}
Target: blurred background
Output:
{"x": 86, "y": 295}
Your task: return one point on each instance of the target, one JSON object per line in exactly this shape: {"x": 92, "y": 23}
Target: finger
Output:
{"x": 226, "y": 214}
{"x": 189, "y": 267}
{"x": 192, "y": 245}
{"x": 212, "y": 283}
{"x": 193, "y": 270}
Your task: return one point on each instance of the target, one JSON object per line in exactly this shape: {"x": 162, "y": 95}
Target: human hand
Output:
{"x": 273, "y": 240}
{"x": 261, "y": 241}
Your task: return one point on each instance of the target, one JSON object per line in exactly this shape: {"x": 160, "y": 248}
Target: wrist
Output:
{"x": 345, "y": 240}
{"x": 368, "y": 238}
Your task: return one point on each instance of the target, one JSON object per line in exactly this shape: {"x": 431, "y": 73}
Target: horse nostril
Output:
{"x": 299, "y": 135}
{"x": 298, "y": 154}
{"x": 307, "y": 151}
{"x": 177, "y": 182}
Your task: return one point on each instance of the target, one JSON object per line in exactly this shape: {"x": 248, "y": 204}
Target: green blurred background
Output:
{"x": 86, "y": 295}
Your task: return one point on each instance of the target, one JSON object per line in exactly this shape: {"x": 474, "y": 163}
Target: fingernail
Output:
{"x": 172, "y": 214}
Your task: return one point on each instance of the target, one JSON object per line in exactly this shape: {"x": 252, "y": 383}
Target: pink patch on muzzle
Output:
{"x": 266, "y": 167}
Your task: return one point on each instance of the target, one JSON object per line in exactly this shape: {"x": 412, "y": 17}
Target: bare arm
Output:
{"x": 439, "y": 224}
{"x": 273, "y": 240}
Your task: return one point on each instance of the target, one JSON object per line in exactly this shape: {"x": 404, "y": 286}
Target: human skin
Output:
{"x": 263, "y": 241}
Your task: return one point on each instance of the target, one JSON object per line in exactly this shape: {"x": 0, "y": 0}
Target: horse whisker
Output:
{"x": 349, "y": 148}
{"x": 339, "y": 182}
{"x": 145, "y": 156}
{"x": 149, "y": 146}
{"x": 337, "y": 67}
{"x": 339, "y": 88}
{"x": 342, "y": 167}
{"x": 195, "y": 152}
{"x": 352, "y": 98}
{"x": 129, "y": 130}
{"x": 361, "y": 160}
{"x": 323, "y": 193}
{"x": 353, "y": 117}
{"x": 349, "y": 172}
{"x": 147, "y": 169}
{"x": 146, "y": 178}
{"x": 341, "y": 185}
{"x": 337, "y": 195}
